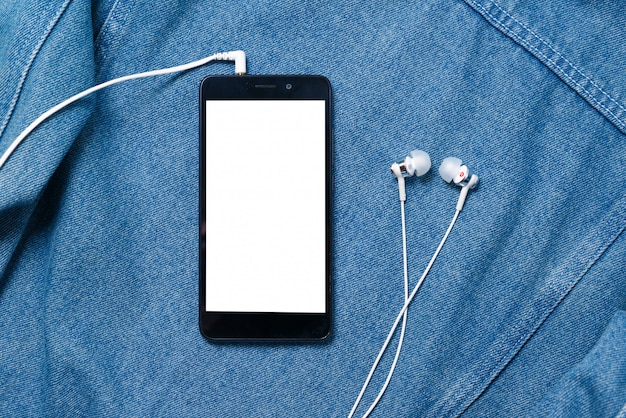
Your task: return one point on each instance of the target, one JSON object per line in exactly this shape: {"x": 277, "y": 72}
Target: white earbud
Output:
{"x": 453, "y": 170}
{"x": 416, "y": 164}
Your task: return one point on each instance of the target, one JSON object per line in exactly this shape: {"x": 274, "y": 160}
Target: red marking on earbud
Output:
{"x": 462, "y": 174}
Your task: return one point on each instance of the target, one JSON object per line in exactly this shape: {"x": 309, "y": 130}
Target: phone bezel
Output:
{"x": 265, "y": 326}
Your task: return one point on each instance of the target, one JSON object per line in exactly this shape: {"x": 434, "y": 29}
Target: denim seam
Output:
{"x": 110, "y": 15}
{"x": 460, "y": 396}
{"x": 107, "y": 37}
{"x": 567, "y": 70}
{"x": 29, "y": 64}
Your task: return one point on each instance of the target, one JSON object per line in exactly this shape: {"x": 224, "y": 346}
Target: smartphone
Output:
{"x": 265, "y": 207}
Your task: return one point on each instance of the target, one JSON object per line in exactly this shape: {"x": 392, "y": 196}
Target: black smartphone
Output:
{"x": 265, "y": 207}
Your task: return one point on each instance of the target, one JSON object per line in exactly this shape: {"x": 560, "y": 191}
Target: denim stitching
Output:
{"x": 29, "y": 64}
{"x": 524, "y": 41}
{"x": 550, "y": 60}
{"x": 568, "y": 62}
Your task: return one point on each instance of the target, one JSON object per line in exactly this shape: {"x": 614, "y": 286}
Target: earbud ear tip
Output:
{"x": 449, "y": 168}
{"x": 421, "y": 162}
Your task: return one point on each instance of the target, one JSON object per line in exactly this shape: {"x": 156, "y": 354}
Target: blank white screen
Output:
{"x": 265, "y": 206}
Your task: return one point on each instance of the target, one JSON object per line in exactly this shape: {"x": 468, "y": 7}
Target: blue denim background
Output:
{"x": 523, "y": 312}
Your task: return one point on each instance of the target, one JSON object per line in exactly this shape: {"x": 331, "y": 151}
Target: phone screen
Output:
{"x": 265, "y": 201}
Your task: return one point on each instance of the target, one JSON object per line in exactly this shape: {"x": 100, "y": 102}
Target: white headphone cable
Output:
{"x": 403, "y": 329}
{"x": 404, "y": 317}
{"x": 401, "y": 314}
{"x": 240, "y": 68}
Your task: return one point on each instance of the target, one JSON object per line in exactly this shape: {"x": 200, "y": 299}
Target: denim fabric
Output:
{"x": 603, "y": 367}
{"x": 523, "y": 312}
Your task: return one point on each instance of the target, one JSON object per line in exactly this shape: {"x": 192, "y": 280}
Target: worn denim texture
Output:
{"x": 523, "y": 312}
